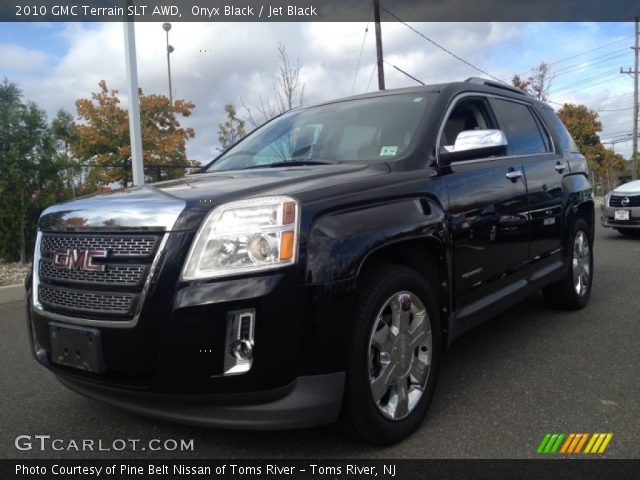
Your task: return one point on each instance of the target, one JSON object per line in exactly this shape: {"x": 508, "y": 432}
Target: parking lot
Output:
{"x": 504, "y": 385}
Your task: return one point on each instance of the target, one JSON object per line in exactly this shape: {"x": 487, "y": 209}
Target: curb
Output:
{"x": 12, "y": 293}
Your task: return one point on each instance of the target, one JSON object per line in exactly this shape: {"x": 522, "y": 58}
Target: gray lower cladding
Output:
{"x": 309, "y": 401}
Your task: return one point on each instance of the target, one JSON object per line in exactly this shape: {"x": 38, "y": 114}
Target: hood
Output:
{"x": 157, "y": 206}
{"x": 631, "y": 187}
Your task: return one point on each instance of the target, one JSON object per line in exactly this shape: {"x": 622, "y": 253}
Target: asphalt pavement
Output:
{"x": 530, "y": 371}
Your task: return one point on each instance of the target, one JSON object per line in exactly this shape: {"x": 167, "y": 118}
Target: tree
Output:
{"x": 232, "y": 130}
{"x": 583, "y": 125}
{"x": 103, "y": 138}
{"x": 288, "y": 92}
{"x": 65, "y": 132}
{"x": 30, "y": 179}
{"x": 537, "y": 84}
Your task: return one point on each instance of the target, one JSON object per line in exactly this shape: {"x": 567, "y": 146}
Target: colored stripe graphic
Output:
{"x": 550, "y": 443}
{"x": 543, "y": 443}
{"x": 598, "y": 442}
{"x": 567, "y": 443}
{"x": 581, "y": 442}
{"x": 573, "y": 443}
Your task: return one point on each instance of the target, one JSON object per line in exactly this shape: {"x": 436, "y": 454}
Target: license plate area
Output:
{"x": 621, "y": 215}
{"x": 77, "y": 347}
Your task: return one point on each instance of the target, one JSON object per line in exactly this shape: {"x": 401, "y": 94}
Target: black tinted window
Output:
{"x": 566, "y": 142}
{"x": 521, "y": 127}
{"x": 362, "y": 129}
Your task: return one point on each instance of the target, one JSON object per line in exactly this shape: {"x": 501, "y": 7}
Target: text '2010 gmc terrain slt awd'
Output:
{"x": 316, "y": 271}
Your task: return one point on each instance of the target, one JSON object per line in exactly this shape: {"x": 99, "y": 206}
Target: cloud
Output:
{"x": 218, "y": 63}
{"x": 16, "y": 58}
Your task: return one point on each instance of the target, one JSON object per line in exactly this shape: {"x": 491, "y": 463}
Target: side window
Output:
{"x": 566, "y": 142}
{"x": 524, "y": 133}
{"x": 468, "y": 114}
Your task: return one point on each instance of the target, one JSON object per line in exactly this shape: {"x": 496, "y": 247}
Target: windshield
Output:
{"x": 367, "y": 129}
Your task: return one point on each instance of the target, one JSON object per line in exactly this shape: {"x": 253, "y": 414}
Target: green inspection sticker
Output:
{"x": 388, "y": 151}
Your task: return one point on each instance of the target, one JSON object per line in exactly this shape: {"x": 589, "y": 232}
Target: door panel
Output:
{"x": 545, "y": 197}
{"x": 488, "y": 213}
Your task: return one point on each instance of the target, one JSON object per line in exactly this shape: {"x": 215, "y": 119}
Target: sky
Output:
{"x": 214, "y": 64}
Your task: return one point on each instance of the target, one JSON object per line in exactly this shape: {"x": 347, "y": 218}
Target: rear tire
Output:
{"x": 573, "y": 291}
{"x": 395, "y": 353}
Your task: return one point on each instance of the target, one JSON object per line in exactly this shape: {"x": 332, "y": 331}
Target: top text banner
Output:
{"x": 318, "y": 10}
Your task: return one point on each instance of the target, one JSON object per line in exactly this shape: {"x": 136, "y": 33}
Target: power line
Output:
{"x": 591, "y": 50}
{"x": 611, "y": 109}
{"x": 375, "y": 65}
{"x": 569, "y": 85}
{"x": 590, "y": 63}
{"x": 555, "y": 62}
{"x": 584, "y": 87}
{"x": 433, "y": 42}
{"x": 582, "y": 82}
{"x": 355, "y": 76}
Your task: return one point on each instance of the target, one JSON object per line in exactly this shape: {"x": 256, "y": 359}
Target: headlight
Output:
{"x": 245, "y": 236}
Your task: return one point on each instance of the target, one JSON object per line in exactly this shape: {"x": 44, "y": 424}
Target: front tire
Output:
{"x": 395, "y": 354}
{"x": 572, "y": 292}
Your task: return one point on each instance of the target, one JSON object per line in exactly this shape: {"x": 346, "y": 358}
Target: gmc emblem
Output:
{"x": 78, "y": 259}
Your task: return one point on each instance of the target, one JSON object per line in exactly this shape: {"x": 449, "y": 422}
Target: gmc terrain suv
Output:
{"x": 316, "y": 271}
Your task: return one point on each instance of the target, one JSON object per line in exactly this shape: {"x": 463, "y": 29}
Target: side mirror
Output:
{"x": 472, "y": 144}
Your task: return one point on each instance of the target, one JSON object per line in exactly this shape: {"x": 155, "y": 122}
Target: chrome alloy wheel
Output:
{"x": 400, "y": 349}
{"x": 581, "y": 263}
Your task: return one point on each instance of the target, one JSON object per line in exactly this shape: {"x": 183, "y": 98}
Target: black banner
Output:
{"x": 315, "y": 10}
{"x": 319, "y": 469}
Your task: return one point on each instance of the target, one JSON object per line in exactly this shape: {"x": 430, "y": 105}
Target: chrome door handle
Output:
{"x": 513, "y": 174}
{"x": 560, "y": 167}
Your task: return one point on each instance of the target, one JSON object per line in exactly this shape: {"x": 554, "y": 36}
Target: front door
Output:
{"x": 488, "y": 209}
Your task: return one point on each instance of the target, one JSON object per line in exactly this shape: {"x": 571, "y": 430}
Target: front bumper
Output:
{"x": 306, "y": 402}
{"x": 607, "y": 217}
{"x": 170, "y": 364}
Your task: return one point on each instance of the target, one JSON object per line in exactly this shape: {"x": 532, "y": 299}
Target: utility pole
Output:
{"x": 135, "y": 132}
{"x": 376, "y": 18}
{"x": 634, "y": 153}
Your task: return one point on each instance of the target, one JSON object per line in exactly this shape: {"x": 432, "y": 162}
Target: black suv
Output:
{"x": 316, "y": 271}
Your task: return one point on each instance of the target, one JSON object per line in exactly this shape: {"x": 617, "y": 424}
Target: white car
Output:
{"x": 621, "y": 209}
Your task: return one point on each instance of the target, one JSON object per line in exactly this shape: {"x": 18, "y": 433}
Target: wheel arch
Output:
{"x": 429, "y": 257}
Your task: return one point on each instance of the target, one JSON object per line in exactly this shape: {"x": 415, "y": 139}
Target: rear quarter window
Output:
{"x": 566, "y": 142}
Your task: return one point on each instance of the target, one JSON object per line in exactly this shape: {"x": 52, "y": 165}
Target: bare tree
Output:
{"x": 288, "y": 92}
{"x": 537, "y": 84}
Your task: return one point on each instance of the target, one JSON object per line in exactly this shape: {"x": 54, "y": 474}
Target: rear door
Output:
{"x": 488, "y": 208}
{"x": 544, "y": 169}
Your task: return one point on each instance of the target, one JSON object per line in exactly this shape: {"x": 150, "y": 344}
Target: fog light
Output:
{"x": 238, "y": 355}
{"x": 242, "y": 349}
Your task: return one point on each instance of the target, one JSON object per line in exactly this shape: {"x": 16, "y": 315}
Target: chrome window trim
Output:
{"x": 459, "y": 97}
{"x": 37, "y": 306}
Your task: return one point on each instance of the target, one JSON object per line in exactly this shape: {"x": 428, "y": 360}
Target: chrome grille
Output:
{"x": 616, "y": 200}
{"x": 118, "y": 245}
{"x": 129, "y": 275}
{"x": 112, "y": 294}
{"x": 79, "y": 300}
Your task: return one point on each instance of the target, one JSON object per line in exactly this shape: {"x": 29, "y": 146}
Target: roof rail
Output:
{"x": 491, "y": 83}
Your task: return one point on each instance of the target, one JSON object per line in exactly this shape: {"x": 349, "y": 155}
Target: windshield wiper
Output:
{"x": 291, "y": 163}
